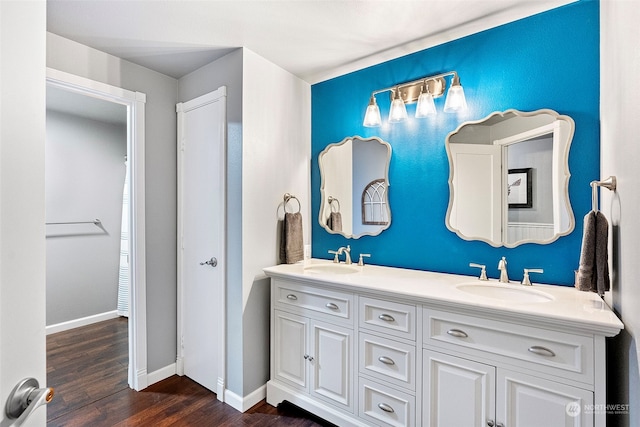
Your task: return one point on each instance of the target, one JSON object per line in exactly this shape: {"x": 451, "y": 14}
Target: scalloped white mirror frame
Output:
{"x": 563, "y": 178}
{"x": 323, "y": 184}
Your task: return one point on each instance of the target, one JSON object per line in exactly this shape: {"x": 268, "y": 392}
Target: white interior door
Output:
{"x": 22, "y": 249}
{"x": 201, "y": 222}
{"x": 477, "y": 209}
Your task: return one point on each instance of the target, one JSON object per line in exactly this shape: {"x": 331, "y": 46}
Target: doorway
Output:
{"x": 131, "y": 106}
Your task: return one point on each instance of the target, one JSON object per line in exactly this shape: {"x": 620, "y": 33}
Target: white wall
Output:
{"x": 160, "y": 179}
{"x": 276, "y": 114}
{"x": 620, "y": 153}
{"x": 268, "y": 154}
{"x": 84, "y": 175}
{"x": 22, "y": 248}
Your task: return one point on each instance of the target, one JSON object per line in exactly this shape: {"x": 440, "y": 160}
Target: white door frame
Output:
{"x": 181, "y": 109}
{"x": 135, "y": 103}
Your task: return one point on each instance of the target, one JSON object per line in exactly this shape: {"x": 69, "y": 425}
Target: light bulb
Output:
{"x": 456, "y": 100}
{"x": 426, "y": 106}
{"x": 372, "y": 116}
{"x": 398, "y": 111}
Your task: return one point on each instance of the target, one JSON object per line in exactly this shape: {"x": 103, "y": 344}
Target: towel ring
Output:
{"x": 287, "y": 198}
{"x": 331, "y": 200}
{"x": 609, "y": 183}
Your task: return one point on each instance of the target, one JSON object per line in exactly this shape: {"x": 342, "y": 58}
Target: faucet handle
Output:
{"x": 483, "y": 272}
{"x": 361, "y": 261}
{"x": 525, "y": 279}
{"x": 335, "y": 258}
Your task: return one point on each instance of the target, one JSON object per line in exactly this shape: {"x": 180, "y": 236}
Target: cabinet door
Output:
{"x": 457, "y": 392}
{"x": 523, "y": 401}
{"x": 289, "y": 348}
{"x": 332, "y": 363}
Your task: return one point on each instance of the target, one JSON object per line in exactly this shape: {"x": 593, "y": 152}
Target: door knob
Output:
{"x": 25, "y": 398}
{"x": 212, "y": 262}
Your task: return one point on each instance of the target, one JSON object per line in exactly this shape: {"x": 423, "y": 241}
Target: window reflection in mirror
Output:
{"x": 354, "y": 186}
{"x": 509, "y": 177}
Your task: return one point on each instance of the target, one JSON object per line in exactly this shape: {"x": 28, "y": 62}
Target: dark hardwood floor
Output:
{"x": 88, "y": 369}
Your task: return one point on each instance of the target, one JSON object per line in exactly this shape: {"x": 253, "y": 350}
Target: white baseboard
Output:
{"x": 161, "y": 374}
{"x": 243, "y": 404}
{"x": 83, "y": 321}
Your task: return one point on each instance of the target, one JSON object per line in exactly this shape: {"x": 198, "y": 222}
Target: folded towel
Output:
{"x": 291, "y": 241}
{"x": 593, "y": 274}
{"x": 335, "y": 221}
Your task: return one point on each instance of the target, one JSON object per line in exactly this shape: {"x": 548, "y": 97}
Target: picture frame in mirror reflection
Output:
{"x": 520, "y": 188}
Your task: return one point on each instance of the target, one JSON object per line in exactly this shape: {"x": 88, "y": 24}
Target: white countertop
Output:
{"x": 567, "y": 307}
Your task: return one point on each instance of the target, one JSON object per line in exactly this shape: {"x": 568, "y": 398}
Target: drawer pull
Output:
{"x": 386, "y": 360}
{"x": 292, "y": 297}
{"x": 332, "y": 306}
{"x": 386, "y": 318}
{"x": 386, "y": 408}
{"x": 459, "y": 334}
{"x": 541, "y": 351}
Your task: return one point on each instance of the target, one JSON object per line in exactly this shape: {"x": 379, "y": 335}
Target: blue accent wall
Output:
{"x": 549, "y": 60}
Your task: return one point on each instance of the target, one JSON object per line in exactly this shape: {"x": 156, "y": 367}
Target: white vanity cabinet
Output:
{"x": 313, "y": 342}
{"x": 392, "y": 348}
{"x": 485, "y": 372}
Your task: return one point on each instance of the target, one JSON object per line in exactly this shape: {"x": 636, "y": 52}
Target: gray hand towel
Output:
{"x": 291, "y": 241}
{"x": 593, "y": 274}
{"x": 335, "y": 221}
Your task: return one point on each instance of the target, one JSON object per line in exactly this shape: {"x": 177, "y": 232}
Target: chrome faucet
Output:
{"x": 502, "y": 266}
{"x": 347, "y": 254}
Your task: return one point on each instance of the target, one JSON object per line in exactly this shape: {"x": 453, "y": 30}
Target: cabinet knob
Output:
{"x": 309, "y": 358}
{"x": 386, "y": 318}
{"x": 292, "y": 297}
{"x": 386, "y": 408}
{"x": 332, "y": 306}
{"x": 490, "y": 423}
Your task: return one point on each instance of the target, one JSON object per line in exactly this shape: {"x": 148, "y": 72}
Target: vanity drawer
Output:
{"x": 302, "y": 297}
{"x": 387, "y": 360}
{"x": 569, "y": 355}
{"x": 385, "y": 406}
{"x": 388, "y": 317}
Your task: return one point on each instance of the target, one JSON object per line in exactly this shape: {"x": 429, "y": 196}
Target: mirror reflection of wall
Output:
{"x": 535, "y": 221}
{"x": 348, "y": 170}
{"x": 509, "y": 178}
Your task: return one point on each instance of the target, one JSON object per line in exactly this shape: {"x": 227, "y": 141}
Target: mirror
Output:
{"x": 509, "y": 178}
{"x": 354, "y": 186}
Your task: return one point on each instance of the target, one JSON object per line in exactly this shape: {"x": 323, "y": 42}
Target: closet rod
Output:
{"x": 94, "y": 222}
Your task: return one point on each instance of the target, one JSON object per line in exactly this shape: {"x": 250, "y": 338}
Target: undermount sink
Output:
{"x": 331, "y": 269}
{"x": 506, "y": 292}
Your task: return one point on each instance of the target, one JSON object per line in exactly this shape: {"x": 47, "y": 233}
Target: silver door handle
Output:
{"x": 25, "y": 398}
{"x": 212, "y": 262}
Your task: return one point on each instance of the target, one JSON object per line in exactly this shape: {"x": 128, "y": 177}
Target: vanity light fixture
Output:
{"x": 422, "y": 91}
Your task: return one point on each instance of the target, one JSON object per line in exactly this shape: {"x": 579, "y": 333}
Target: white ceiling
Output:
{"x": 313, "y": 39}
